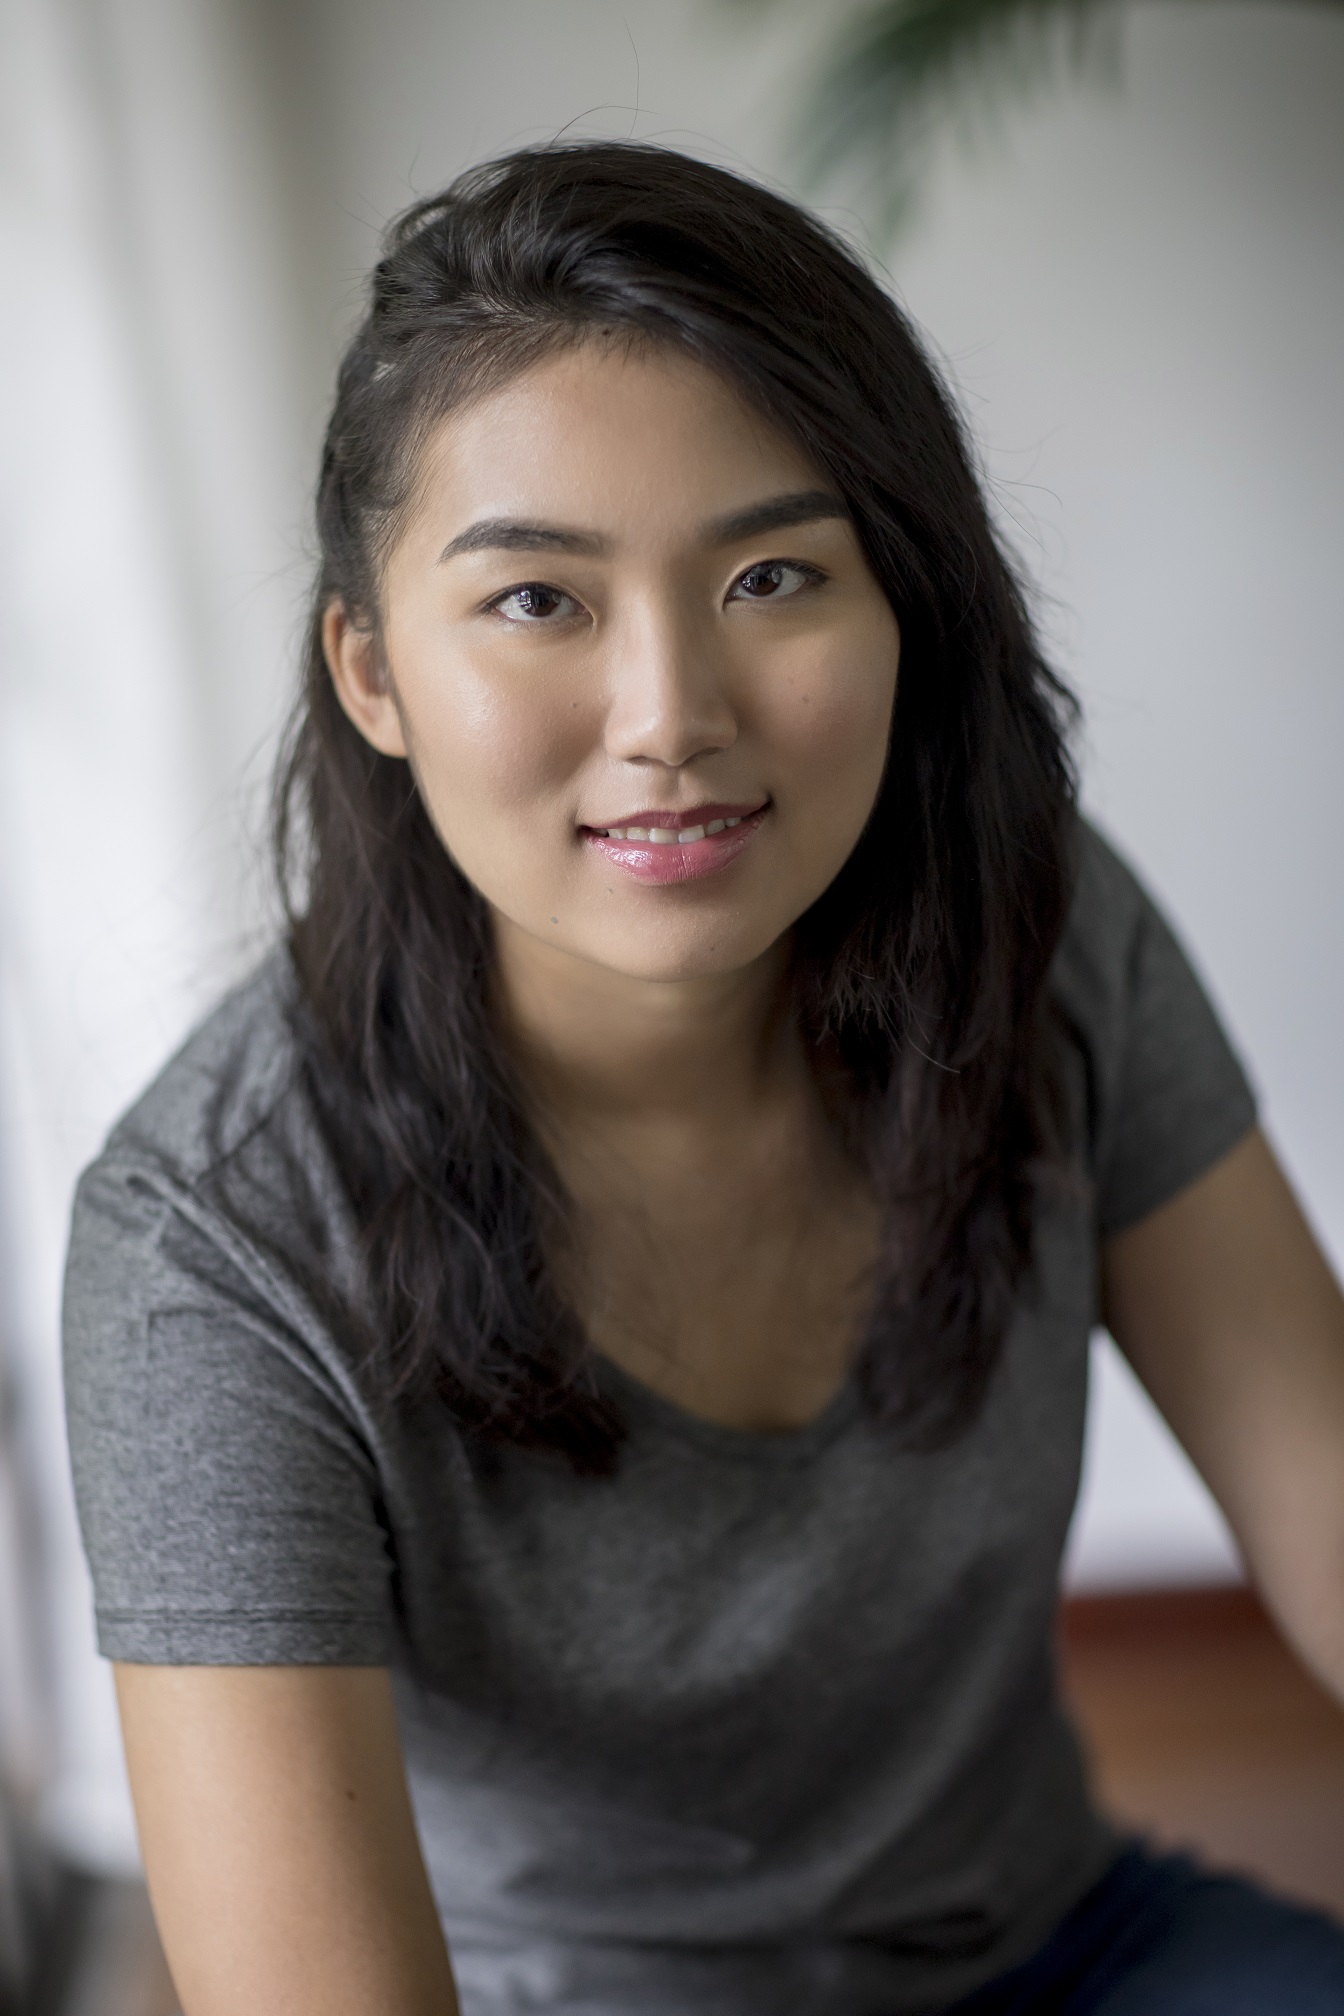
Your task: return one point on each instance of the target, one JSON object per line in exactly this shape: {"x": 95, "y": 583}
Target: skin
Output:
{"x": 649, "y": 1023}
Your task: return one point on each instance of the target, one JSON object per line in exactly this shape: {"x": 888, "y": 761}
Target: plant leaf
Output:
{"x": 901, "y": 68}
{"x": 905, "y": 66}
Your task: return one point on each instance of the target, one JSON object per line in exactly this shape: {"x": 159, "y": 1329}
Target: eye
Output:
{"x": 771, "y": 580}
{"x": 534, "y": 602}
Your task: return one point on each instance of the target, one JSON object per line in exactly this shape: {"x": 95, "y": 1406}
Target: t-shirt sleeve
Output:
{"x": 229, "y": 1502}
{"x": 1169, "y": 1096}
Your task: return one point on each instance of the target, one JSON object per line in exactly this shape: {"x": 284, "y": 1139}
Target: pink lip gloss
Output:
{"x": 669, "y": 860}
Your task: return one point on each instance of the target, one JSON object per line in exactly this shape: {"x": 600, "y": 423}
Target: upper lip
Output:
{"x": 673, "y": 822}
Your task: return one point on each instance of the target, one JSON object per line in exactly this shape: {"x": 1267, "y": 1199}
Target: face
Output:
{"x": 637, "y": 661}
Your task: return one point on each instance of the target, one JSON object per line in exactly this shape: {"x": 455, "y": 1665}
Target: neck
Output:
{"x": 601, "y": 1046}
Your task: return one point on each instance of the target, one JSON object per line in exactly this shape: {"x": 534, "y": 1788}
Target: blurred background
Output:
{"x": 1121, "y": 227}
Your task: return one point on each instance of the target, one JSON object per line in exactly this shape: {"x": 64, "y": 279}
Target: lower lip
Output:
{"x": 675, "y": 861}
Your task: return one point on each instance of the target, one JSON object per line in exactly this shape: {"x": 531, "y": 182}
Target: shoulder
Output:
{"x": 1109, "y": 910}
{"x": 220, "y": 1175}
{"x": 232, "y": 1076}
{"x": 1166, "y": 1094}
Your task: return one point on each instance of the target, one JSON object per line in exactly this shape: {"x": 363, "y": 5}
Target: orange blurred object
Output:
{"x": 1206, "y": 1733}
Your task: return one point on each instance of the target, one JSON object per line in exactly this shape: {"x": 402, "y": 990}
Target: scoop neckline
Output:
{"x": 758, "y": 1445}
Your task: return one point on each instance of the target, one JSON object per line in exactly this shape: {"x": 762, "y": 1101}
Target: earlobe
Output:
{"x": 361, "y": 684}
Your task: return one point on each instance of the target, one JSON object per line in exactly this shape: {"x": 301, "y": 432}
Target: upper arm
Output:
{"x": 231, "y": 1499}
{"x": 1227, "y": 1309}
{"x": 228, "y": 1488}
{"x": 279, "y": 1842}
{"x": 1211, "y": 1282}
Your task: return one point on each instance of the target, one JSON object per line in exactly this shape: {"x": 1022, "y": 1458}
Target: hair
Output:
{"x": 922, "y": 967}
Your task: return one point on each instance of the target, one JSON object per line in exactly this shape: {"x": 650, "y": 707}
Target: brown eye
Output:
{"x": 534, "y": 602}
{"x": 773, "y": 579}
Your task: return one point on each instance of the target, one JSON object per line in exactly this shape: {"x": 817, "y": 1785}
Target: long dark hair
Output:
{"x": 922, "y": 967}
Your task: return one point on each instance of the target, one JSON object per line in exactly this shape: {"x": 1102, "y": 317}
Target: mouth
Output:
{"x": 678, "y": 829}
{"x": 661, "y": 846}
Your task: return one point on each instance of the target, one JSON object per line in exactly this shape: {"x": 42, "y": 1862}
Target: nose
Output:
{"x": 669, "y": 696}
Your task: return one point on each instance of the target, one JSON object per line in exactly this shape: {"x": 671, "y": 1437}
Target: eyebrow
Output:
{"x": 516, "y": 535}
{"x": 799, "y": 507}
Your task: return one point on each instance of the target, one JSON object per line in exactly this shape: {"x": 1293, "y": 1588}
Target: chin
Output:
{"x": 670, "y": 957}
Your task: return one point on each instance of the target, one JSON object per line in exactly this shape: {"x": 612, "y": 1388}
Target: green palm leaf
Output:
{"x": 899, "y": 71}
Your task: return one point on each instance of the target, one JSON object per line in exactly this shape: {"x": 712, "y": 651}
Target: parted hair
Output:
{"x": 922, "y": 969}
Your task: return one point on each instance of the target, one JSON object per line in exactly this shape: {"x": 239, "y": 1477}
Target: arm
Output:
{"x": 1226, "y": 1308}
{"x": 279, "y": 1842}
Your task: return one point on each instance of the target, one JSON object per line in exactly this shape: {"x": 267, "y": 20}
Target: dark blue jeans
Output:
{"x": 1159, "y": 1936}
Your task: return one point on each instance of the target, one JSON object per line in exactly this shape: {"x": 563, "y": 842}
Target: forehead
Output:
{"x": 614, "y": 436}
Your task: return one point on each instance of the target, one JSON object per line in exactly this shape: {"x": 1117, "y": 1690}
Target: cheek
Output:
{"x": 496, "y": 752}
{"x": 488, "y": 748}
{"x": 830, "y": 718}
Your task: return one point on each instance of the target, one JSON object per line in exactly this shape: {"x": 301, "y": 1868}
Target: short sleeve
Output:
{"x": 229, "y": 1503}
{"x": 1168, "y": 1095}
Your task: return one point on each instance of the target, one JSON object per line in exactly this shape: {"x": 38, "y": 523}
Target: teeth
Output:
{"x": 666, "y": 836}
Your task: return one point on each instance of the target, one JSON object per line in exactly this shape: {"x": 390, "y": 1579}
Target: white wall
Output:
{"x": 1138, "y": 295}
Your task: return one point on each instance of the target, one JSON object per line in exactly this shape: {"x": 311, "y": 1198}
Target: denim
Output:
{"x": 1159, "y": 1936}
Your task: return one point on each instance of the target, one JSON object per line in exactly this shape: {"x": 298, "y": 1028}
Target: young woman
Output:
{"x": 576, "y": 1372}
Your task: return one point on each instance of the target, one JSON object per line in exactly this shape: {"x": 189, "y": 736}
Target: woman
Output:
{"x": 597, "y": 1326}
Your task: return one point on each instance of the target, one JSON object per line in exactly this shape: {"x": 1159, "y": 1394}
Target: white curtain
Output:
{"x": 148, "y": 476}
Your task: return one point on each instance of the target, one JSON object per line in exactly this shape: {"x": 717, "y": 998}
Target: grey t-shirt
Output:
{"x": 761, "y": 1723}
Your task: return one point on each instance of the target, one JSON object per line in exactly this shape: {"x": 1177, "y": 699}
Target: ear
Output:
{"x": 362, "y": 685}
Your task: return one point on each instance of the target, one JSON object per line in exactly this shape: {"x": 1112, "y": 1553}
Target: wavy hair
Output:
{"x": 922, "y": 967}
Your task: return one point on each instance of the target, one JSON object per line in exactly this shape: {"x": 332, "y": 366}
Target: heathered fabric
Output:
{"x": 763, "y": 1722}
